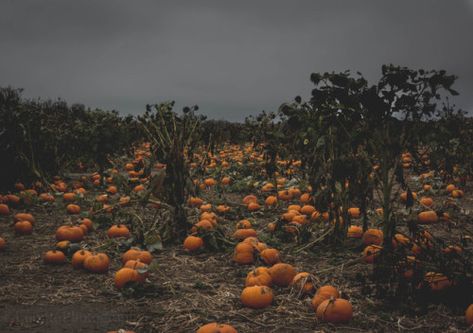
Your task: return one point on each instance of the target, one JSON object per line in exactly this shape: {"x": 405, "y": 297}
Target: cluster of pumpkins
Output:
{"x": 258, "y": 292}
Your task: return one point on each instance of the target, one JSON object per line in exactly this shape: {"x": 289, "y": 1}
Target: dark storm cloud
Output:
{"x": 232, "y": 58}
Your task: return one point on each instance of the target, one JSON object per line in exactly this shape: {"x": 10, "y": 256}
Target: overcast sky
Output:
{"x": 232, "y": 58}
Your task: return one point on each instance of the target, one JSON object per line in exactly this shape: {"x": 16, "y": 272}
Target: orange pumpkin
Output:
{"x": 258, "y": 277}
{"x": 370, "y": 253}
{"x": 271, "y": 201}
{"x": 427, "y": 217}
{"x": 4, "y": 209}
{"x": 72, "y": 234}
{"x": 70, "y": 196}
{"x": 54, "y": 257}
{"x": 426, "y": 201}
{"x": 243, "y": 224}
{"x": 282, "y": 274}
{"x": 243, "y": 253}
{"x": 193, "y": 243}
{"x": 216, "y": 328}
{"x": 355, "y": 231}
{"x": 335, "y": 311}
{"x": 354, "y": 212}
{"x": 195, "y": 201}
{"x": 73, "y": 209}
{"x": 437, "y": 281}
{"x": 97, "y": 263}
{"x": 302, "y": 283}
{"x": 469, "y": 315}
{"x": 119, "y": 230}
{"x": 126, "y": 275}
{"x": 322, "y": 294}
{"x": 25, "y": 217}
{"x": 202, "y": 225}
{"x": 257, "y": 297}
{"x": 404, "y": 196}
{"x": 249, "y": 198}
{"x": 79, "y": 257}
{"x": 241, "y": 234}
{"x": 137, "y": 254}
{"x": 308, "y": 210}
{"x": 270, "y": 256}
{"x": 23, "y": 228}
{"x": 373, "y": 237}
{"x": 253, "y": 206}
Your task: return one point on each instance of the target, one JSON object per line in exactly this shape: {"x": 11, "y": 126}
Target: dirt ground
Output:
{"x": 185, "y": 291}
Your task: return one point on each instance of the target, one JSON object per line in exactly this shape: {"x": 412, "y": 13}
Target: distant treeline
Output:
{"x": 42, "y": 138}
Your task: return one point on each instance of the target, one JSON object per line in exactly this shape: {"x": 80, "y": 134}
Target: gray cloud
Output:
{"x": 232, "y": 58}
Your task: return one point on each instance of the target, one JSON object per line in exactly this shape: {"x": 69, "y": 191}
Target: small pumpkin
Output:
{"x": 243, "y": 253}
{"x": 426, "y": 201}
{"x": 427, "y": 217}
{"x": 70, "y": 196}
{"x": 437, "y": 281}
{"x": 24, "y": 217}
{"x": 404, "y": 196}
{"x": 355, "y": 231}
{"x": 302, "y": 282}
{"x": 88, "y": 223}
{"x": 206, "y": 208}
{"x": 250, "y": 198}
{"x": 137, "y": 254}
{"x": 370, "y": 253}
{"x": 271, "y": 200}
{"x": 241, "y": 234}
{"x": 257, "y": 297}
{"x": 120, "y": 230}
{"x": 202, "y": 225}
{"x": 469, "y": 315}
{"x": 335, "y": 311}
{"x": 258, "y": 277}
{"x": 23, "y": 228}
{"x": 4, "y": 209}
{"x": 193, "y": 243}
{"x": 73, "y": 209}
{"x": 305, "y": 198}
{"x": 282, "y": 274}
{"x": 308, "y": 210}
{"x": 373, "y": 237}
{"x": 209, "y": 182}
{"x": 139, "y": 266}
{"x": 450, "y": 188}
{"x": 322, "y": 294}
{"x": 253, "y": 206}
{"x": 216, "y": 328}
{"x": 270, "y": 256}
{"x": 243, "y": 224}
{"x": 457, "y": 194}
{"x": 195, "y": 201}
{"x": 70, "y": 233}
{"x": 354, "y": 212}
{"x": 79, "y": 257}
{"x": 54, "y": 257}
{"x": 97, "y": 263}
{"x": 126, "y": 275}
